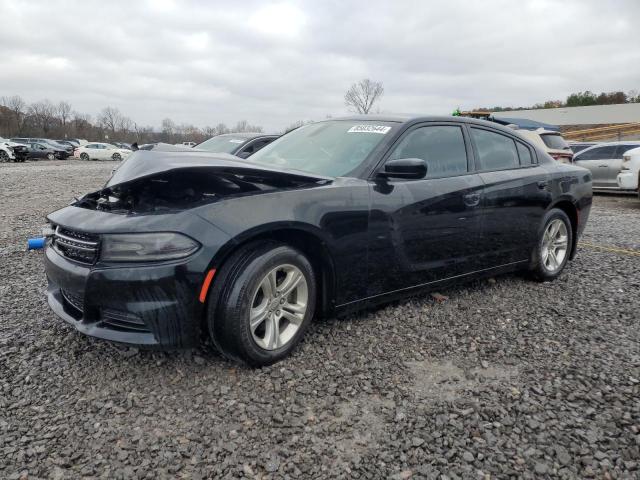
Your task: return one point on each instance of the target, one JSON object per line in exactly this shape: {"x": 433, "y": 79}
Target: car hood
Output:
{"x": 151, "y": 182}
{"x": 146, "y": 163}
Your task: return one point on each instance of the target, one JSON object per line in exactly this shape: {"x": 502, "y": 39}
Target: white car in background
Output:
{"x": 101, "y": 151}
{"x": 629, "y": 176}
{"x": 6, "y": 152}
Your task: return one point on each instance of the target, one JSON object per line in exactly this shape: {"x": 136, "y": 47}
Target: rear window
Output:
{"x": 495, "y": 151}
{"x": 555, "y": 141}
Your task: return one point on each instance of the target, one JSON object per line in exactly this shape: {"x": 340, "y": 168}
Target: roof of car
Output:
{"x": 247, "y": 135}
{"x": 414, "y": 118}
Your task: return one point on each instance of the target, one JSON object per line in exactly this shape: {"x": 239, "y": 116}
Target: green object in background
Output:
{"x": 456, "y": 112}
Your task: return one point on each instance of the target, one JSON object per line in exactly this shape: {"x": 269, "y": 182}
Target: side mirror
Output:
{"x": 410, "y": 168}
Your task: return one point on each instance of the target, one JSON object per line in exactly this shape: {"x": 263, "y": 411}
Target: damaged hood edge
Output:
{"x": 143, "y": 164}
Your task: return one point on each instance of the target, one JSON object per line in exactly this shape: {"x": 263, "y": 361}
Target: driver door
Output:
{"x": 425, "y": 230}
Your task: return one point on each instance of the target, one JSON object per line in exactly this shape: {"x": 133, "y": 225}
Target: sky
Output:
{"x": 276, "y": 62}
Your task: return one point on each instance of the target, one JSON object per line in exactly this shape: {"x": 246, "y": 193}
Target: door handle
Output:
{"x": 603, "y": 166}
{"x": 543, "y": 184}
{"x": 471, "y": 199}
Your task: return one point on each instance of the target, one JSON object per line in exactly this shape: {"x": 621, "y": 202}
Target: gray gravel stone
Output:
{"x": 504, "y": 379}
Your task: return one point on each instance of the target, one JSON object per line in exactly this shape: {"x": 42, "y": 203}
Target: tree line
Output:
{"x": 580, "y": 99}
{"x": 46, "y": 119}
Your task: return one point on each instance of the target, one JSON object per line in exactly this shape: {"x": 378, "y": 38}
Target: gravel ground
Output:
{"x": 503, "y": 379}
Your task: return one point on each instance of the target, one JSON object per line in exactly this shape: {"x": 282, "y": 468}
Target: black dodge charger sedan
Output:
{"x": 332, "y": 217}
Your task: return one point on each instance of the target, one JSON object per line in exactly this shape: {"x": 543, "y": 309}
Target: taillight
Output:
{"x": 562, "y": 157}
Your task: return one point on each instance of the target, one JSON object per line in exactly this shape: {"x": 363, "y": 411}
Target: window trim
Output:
{"x": 599, "y": 147}
{"x": 407, "y": 132}
{"x": 513, "y": 138}
{"x": 533, "y": 158}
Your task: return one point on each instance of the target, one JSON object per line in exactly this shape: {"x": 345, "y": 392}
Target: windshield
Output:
{"x": 555, "y": 141}
{"x": 222, "y": 144}
{"x": 332, "y": 148}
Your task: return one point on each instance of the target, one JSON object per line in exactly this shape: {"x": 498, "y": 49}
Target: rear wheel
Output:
{"x": 554, "y": 246}
{"x": 261, "y": 304}
{"x": 84, "y": 156}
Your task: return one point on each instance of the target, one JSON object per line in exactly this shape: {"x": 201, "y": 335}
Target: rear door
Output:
{"x": 514, "y": 199}
{"x": 425, "y": 230}
{"x": 598, "y": 160}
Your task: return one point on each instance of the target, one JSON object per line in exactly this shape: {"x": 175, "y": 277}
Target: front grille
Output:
{"x": 74, "y": 299}
{"x": 78, "y": 246}
{"x": 122, "y": 321}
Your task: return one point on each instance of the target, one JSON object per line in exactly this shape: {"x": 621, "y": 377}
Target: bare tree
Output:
{"x": 221, "y": 129}
{"x": 43, "y": 116}
{"x": 363, "y": 94}
{"x": 110, "y": 119}
{"x": 17, "y": 106}
{"x": 64, "y": 114}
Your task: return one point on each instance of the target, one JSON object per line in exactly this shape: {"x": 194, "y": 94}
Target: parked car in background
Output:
{"x": 67, "y": 149}
{"x": 20, "y": 151}
{"x": 604, "y": 160}
{"x": 330, "y": 218}
{"x": 71, "y": 143}
{"x": 186, "y": 144}
{"x": 6, "y": 153}
{"x": 45, "y": 150}
{"x": 629, "y": 177}
{"x": 126, "y": 146}
{"x": 101, "y": 151}
{"x": 241, "y": 145}
{"x": 579, "y": 146}
{"x": 551, "y": 142}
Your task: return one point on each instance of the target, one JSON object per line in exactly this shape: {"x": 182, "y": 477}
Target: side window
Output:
{"x": 599, "y": 153}
{"x": 622, "y": 149}
{"x": 525, "y": 154}
{"x": 440, "y": 146}
{"x": 495, "y": 151}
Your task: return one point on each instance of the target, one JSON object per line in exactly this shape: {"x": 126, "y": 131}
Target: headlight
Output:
{"x": 144, "y": 247}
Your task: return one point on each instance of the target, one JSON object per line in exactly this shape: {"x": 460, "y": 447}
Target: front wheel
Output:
{"x": 4, "y": 156}
{"x": 262, "y": 302}
{"x": 117, "y": 157}
{"x": 554, "y": 246}
{"x": 51, "y": 156}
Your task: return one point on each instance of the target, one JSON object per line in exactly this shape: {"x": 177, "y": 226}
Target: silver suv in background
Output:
{"x": 604, "y": 160}
{"x": 551, "y": 142}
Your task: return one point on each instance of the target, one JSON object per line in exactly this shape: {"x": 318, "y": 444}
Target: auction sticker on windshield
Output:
{"x": 369, "y": 129}
{"x": 234, "y": 140}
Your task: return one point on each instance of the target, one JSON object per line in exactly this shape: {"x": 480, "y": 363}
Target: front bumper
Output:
{"x": 154, "y": 305}
{"x": 628, "y": 180}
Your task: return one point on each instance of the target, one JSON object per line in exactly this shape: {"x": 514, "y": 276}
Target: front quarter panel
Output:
{"x": 336, "y": 214}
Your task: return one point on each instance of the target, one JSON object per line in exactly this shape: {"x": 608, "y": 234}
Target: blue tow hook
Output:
{"x": 36, "y": 243}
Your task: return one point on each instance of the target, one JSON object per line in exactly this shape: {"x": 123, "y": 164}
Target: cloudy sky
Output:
{"x": 272, "y": 63}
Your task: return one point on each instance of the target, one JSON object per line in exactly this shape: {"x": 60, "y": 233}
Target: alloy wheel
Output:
{"x": 279, "y": 306}
{"x": 4, "y": 157}
{"x": 555, "y": 244}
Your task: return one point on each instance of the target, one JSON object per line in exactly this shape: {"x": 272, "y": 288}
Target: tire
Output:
{"x": 50, "y": 156}
{"x": 241, "y": 288}
{"x": 555, "y": 232}
{"x": 117, "y": 157}
{"x": 4, "y": 156}
{"x": 84, "y": 156}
